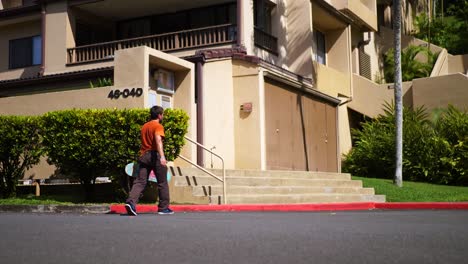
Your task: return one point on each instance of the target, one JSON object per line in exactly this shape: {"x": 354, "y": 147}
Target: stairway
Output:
{"x": 270, "y": 187}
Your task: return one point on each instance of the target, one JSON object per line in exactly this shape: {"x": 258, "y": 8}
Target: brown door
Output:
{"x": 300, "y": 130}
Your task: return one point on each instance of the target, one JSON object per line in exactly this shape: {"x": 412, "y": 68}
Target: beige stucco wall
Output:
{"x": 385, "y": 41}
{"x": 247, "y": 26}
{"x": 366, "y": 10}
{"x": 369, "y": 97}
{"x": 219, "y": 112}
{"x": 247, "y": 126}
{"x": 344, "y": 130}
{"x": 184, "y": 96}
{"x": 441, "y": 64}
{"x": 338, "y": 44}
{"x": 16, "y": 31}
{"x": 332, "y": 82}
{"x": 58, "y": 37}
{"x": 440, "y": 91}
{"x": 81, "y": 99}
{"x": 458, "y": 63}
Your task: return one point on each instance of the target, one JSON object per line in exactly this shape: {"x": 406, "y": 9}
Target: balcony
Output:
{"x": 167, "y": 42}
{"x": 364, "y": 12}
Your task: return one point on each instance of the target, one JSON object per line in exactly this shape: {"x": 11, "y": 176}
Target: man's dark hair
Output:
{"x": 155, "y": 111}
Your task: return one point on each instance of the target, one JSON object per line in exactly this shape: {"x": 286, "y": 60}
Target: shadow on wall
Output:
{"x": 293, "y": 41}
{"x": 465, "y": 64}
{"x": 31, "y": 72}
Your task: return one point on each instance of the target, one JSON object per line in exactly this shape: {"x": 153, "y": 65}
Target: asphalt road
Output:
{"x": 318, "y": 237}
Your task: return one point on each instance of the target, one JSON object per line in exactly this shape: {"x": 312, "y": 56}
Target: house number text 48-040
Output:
{"x": 134, "y": 92}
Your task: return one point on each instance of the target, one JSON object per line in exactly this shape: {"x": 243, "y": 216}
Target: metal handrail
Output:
{"x": 223, "y": 180}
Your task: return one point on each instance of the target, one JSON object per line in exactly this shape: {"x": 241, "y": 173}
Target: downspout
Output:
{"x": 200, "y": 123}
{"x": 239, "y": 23}
{"x": 365, "y": 42}
{"x": 43, "y": 31}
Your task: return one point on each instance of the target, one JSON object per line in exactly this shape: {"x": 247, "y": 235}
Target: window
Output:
{"x": 320, "y": 48}
{"x": 25, "y": 52}
{"x": 164, "y": 81}
{"x": 262, "y": 17}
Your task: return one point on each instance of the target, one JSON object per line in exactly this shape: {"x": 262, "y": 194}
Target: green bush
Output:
{"x": 20, "y": 149}
{"x": 101, "y": 82}
{"x": 449, "y": 31}
{"x": 452, "y": 125}
{"x": 429, "y": 155}
{"x": 176, "y": 126}
{"x": 89, "y": 143}
{"x": 410, "y": 67}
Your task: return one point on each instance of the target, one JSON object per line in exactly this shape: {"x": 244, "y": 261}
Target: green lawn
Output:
{"x": 416, "y": 191}
{"x": 44, "y": 199}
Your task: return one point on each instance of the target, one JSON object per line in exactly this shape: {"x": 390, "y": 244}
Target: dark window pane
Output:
{"x": 135, "y": 28}
{"x": 20, "y": 53}
{"x": 320, "y": 47}
{"x": 262, "y": 15}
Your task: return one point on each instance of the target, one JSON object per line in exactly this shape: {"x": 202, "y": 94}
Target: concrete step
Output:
{"x": 298, "y": 198}
{"x": 260, "y": 181}
{"x": 265, "y": 174}
{"x": 270, "y": 187}
{"x": 247, "y": 190}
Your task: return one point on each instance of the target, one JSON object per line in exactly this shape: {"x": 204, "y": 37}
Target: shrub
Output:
{"x": 20, "y": 149}
{"x": 101, "y": 82}
{"x": 410, "y": 67}
{"x": 452, "y": 125}
{"x": 428, "y": 155}
{"x": 89, "y": 143}
{"x": 176, "y": 125}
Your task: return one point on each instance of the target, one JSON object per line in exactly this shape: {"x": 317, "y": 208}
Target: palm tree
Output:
{"x": 397, "y": 69}
{"x": 411, "y": 67}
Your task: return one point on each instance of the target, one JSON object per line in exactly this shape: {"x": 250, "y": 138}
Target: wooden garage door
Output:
{"x": 300, "y": 130}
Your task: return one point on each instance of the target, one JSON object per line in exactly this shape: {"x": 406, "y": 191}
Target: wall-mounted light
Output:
{"x": 246, "y": 107}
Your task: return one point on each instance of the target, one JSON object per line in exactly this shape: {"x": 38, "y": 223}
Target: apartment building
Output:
{"x": 268, "y": 84}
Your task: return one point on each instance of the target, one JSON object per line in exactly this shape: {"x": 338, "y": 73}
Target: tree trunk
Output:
{"x": 398, "y": 180}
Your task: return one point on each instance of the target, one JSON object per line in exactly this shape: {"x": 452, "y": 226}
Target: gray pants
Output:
{"x": 140, "y": 182}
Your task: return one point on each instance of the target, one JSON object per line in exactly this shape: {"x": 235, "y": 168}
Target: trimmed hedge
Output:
{"x": 85, "y": 144}
{"x": 20, "y": 149}
{"x": 433, "y": 151}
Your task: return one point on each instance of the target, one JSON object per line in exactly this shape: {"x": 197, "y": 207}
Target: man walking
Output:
{"x": 151, "y": 159}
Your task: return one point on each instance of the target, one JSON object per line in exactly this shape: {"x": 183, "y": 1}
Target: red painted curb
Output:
{"x": 120, "y": 208}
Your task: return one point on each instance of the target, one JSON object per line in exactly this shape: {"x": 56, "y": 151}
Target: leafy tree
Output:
{"x": 411, "y": 67}
{"x": 449, "y": 31}
{"x": 20, "y": 149}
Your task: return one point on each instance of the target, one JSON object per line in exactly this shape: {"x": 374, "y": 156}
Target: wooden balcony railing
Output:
{"x": 265, "y": 41}
{"x": 221, "y": 34}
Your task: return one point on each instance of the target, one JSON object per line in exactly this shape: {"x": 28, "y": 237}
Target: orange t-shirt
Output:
{"x": 148, "y": 135}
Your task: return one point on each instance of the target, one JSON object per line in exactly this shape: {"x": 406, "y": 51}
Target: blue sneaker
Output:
{"x": 131, "y": 210}
{"x": 166, "y": 211}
